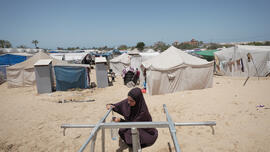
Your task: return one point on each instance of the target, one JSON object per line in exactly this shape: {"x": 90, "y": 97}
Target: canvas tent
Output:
{"x": 119, "y": 63}
{"x": 23, "y": 74}
{"x": 174, "y": 70}
{"x": 234, "y": 61}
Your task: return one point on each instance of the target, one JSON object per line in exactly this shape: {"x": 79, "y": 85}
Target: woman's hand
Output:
{"x": 108, "y": 106}
{"x": 116, "y": 119}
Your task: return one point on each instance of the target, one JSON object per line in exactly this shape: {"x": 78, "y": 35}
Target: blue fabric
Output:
{"x": 10, "y": 59}
{"x": 70, "y": 77}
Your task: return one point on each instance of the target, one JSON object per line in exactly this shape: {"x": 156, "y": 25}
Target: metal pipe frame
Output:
{"x": 95, "y": 130}
{"x": 172, "y": 130}
{"x": 134, "y": 125}
{"x": 162, "y": 124}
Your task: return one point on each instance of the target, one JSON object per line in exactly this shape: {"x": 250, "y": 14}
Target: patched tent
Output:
{"x": 23, "y": 74}
{"x": 174, "y": 70}
{"x": 119, "y": 63}
{"x": 243, "y": 60}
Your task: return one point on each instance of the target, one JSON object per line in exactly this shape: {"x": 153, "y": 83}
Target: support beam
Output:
{"x": 95, "y": 130}
{"x": 172, "y": 129}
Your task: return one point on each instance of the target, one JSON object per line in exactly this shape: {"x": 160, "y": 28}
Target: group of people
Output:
{"x": 134, "y": 109}
{"x": 131, "y": 75}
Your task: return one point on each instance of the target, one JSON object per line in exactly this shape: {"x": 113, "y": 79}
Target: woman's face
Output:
{"x": 131, "y": 101}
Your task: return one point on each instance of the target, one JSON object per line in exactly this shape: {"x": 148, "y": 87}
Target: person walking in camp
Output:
{"x": 134, "y": 109}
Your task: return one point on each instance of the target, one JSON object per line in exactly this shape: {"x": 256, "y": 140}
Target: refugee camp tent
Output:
{"x": 174, "y": 70}
{"x": 147, "y": 55}
{"x": 207, "y": 54}
{"x": 23, "y": 74}
{"x": 19, "y": 50}
{"x": 13, "y": 58}
{"x": 243, "y": 60}
{"x": 71, "y": 76}
{"x": 150, "y": 51}
{"x": 119, "y": 63}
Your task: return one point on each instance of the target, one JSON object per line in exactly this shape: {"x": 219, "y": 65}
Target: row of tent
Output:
{"x": 243, "y": 60}
{"x": 65, "y": 75}
{"x": 170, "y": 71}
{"x": 174, "y": 70}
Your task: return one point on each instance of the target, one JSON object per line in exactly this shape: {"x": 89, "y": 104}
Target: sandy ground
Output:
{"x": 31, "y": 122}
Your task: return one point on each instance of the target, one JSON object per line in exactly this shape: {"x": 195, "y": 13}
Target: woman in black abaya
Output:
{"x": 134, "y": 109}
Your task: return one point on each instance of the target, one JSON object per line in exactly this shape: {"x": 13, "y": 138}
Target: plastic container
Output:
{"x": 114, "y": 131}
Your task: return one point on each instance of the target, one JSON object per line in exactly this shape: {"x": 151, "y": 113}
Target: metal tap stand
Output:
{"x": 134, "y": 126}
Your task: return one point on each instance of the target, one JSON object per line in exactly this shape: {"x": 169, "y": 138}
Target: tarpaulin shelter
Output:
{"x": 13, "y": 58}
{"x": 207, "y": 54}
{"x": 70, "y": 76}
{"x": 243, "y": 60}
{"x": 23, "y": 74}
{"x": 174, "y": 70}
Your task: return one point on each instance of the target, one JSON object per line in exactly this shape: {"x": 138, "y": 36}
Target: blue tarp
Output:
{"x": 10, "y": 59}
{"x": 70, "y": 77}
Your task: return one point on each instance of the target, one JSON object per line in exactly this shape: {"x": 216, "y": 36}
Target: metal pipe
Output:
{"x": 94, "y": 131}
{"x": 145, "y": 124}
{"x": 135, "y": 143}
{"x": 136, "y": 125}
{"x": 172, "y": 129}
{"x": 205, "y": 123}
{"x": 103, "y": 138}
{"x": 92, "y": 149}
{"x": 77, "y": 126}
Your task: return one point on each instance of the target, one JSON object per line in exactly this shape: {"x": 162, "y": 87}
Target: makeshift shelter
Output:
{"x": 119, "y": 63}
{"x": 71, "y": 76}
{"x": 243, "y": 60}
{"x": 23, "y": 74}
{"x": 174, "y": 70}
{"x": 13, "y": 58}
{"x": 207, "y": 54}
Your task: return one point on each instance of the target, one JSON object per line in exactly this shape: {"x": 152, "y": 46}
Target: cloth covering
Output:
{"x": 70, "y": 77}
{"x": 137, "y": 113}
{"x": 253, "y": 60}
{"x": 174, "y": 70}
{"x": 23, "y": 74}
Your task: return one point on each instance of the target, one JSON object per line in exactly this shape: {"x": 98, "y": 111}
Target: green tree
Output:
{"x": 5, "y": 44}
{"x": 140, "y": 46}
{"x": 213, "y": 46}
{"x": 35, "y": 42}
{"x": 21, "y": 46}
{"x": 122, "y": 47}
{"x": 267, "y": 43}
{"x": 160, "y": 46}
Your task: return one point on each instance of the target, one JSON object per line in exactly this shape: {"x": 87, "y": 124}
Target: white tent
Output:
{"x": 69, "y": 56}
{"x": 234, "y": 61}
{"x": 174, "y": 70}
{"x": 150, "y": 51}
{"x": 23, "y": 74}
{"x": 119, "y": 63}
{"x": 20, "y": 50}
